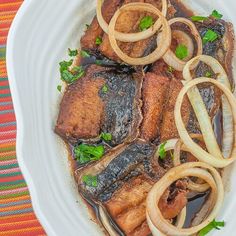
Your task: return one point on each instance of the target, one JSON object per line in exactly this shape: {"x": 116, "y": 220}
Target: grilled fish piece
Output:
{"x": 81, "y": 109}
{"x": 154, "y": 95}
{"x": 168, "y": 128}
{"x": 94, "y": 31}
{"x": 123, "y": 183}
{"x": 86, "y": 110}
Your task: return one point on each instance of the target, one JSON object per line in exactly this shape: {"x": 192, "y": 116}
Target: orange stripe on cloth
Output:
{"x": 16, "y": 199}
{"x": 19, "y": 225}
{"x": 34, "y": 231}
{"x": 17, "y": 218}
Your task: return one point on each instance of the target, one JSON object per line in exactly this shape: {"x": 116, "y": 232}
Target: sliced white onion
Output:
{"x": 196, "y": 101}
{"x": 179, "y": 223}
{"x": 194, "y": 148}
{"x": 194, "y": 169}
{"x": 130, "y": 37}
{"x": 163, "y": 39}
{"x": 170, "y": 57}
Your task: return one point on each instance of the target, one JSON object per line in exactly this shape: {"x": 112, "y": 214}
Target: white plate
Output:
{"x": 39, "y": 37}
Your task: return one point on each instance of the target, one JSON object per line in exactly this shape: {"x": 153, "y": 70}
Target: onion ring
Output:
{"x": 164, "y": 38}
{"x": 188, "y": 169}
{"x": 197, "y": 187}
{"x": 170, "y": 58}
{"x": 130, "y": 37}
{"x": 194, "y": 148}
{"x": 222, "y": 77}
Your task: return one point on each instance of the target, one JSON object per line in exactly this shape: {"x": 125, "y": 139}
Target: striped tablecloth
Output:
{"x": 16, "y": 214}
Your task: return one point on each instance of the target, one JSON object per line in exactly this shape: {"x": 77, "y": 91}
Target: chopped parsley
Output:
{"x": 64, "y": 65}
{"x": 162, "y": 151}
{"x": 84, "y": 53}
{"x": 213, "y": 225}
{"x": 106, "y": 136}
{"x": 145, "y": 23}
{"x": 86, "y": 153}
{"x": 198, "y": 18}
{"x": 208, "y": 74}
{"x": 59, "y": 88}
{"x": 216, "y": 14}
{"x": 87, "y": 26}
{"x": 98, "y": 62}
{"x": 181, "y": 51}
{"x": 104, "y": 88}
{"x": 72, "y": 53}
{"x": 71, "y": 76}
{"x": 98, "y": 41}
{"x": 89, "y": 180}
{"x": 210, "y": 36}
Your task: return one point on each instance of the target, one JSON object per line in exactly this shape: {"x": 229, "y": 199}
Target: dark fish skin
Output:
{"x": 222, "y": 50}
{"x": 122, "y": 111}
{"x": 119, "y": 167}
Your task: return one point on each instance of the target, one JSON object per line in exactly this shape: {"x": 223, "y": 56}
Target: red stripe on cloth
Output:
{"x": 6, "y": 99}
{"x": 4, "y": 83}
{"x": 5, "y": 91}
{"x": 5, "y": 24}
{"x": 10, "y": 179}
{"x": 35, "y": 231}
{"x": 10, "y": 1}
{"x": 6, "y": 107}
{"x": 7, "y": 128}
{"x": 19, "y": 225}
{"x": 7, "y": 117}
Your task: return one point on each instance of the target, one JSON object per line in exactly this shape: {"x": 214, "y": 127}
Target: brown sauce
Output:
{"x": 194, "y": 204}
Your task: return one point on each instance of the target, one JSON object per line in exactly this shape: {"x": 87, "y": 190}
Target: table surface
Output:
{"x": 16, "y": 214}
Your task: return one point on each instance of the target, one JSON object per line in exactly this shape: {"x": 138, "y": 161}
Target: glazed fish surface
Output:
{"x": 148, "y": 116}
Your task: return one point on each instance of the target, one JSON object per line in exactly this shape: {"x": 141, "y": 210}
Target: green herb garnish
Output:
{"x": 106, "y": 136}
{"x": 64, "y": 65}
{"x": 145, "y": 23}
{"x": 181, "y": 51}
{"x": 86, "y": 153}
{"x": 98, "y": 41}
{"x": 84, "y": 53}
{"x": 162, "y": 151}
{"x": 87, "y": 26}
{"x": 70, "y": 77}
{"x": 216, "y": 14}
{"x": 104, "y": 88}
{"x": 72, "y": 53}
{"x": 210, "y": 36}
{"x": 208, "y": 74}
{"x": 59, "y": 88}
{"x": 78, "y": 71}
{"x": 98, "y": 62}
{"x": 213, "y": 225}
{"x": 89, "y": 180}
{"x": 198, "y": 18}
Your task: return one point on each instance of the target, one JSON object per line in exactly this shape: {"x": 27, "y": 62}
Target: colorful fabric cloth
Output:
{"x": 16, "y": 214}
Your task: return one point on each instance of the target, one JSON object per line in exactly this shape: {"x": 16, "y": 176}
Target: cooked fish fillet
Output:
{"x": 88, "y": 40}
{"x": 81, "y": 109}
{"x": 131, "y": 195}
{"x": 168, "y": 127}
{"x": 154, "y": 95}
